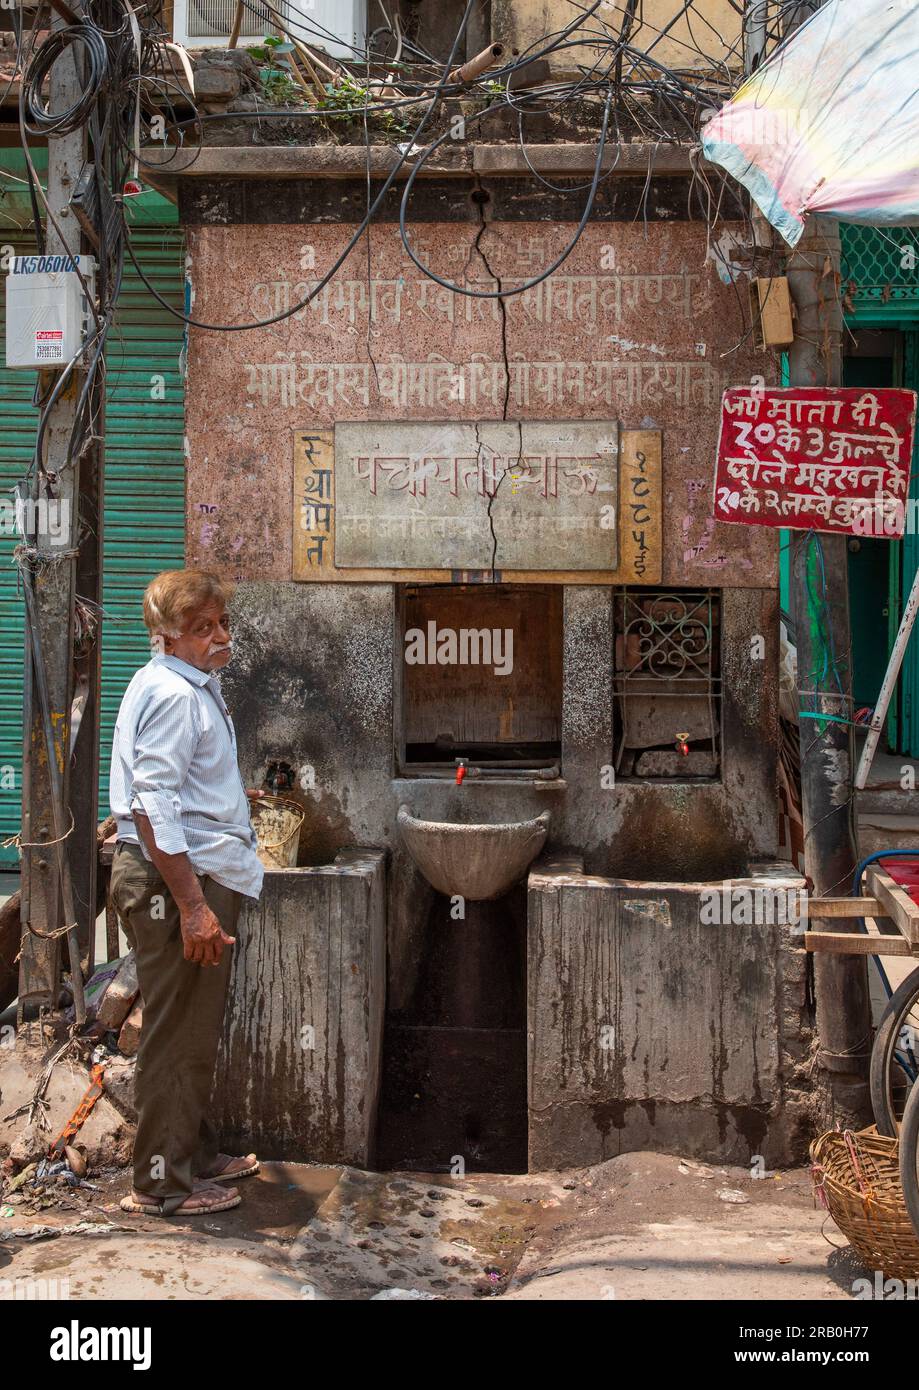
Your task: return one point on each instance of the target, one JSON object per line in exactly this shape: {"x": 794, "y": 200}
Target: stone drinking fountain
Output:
{"x": 477, "y": 862}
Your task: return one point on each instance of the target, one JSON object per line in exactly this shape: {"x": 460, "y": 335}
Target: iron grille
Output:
{"x": 880, "y": 265}
{"x": 667, "y": 682}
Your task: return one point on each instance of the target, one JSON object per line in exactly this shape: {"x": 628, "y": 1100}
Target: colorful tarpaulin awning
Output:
{"x": 830, "y": 124}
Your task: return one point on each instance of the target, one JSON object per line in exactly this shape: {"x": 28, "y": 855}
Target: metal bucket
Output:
{"x": 277, "y": 825}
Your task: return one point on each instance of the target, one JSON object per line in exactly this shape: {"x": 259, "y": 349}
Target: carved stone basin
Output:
{"x": 472, "y": 861}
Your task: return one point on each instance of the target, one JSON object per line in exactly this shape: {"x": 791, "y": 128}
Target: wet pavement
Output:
{"x": 641, "y": 1226}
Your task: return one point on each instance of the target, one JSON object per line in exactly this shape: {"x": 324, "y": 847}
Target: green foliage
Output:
{"x": 279, "y": 86}
{"x": 348, "y": 100}
{"x": 345, "y": 100}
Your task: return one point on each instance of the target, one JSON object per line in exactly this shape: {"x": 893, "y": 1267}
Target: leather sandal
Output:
{"x": 223, "y": 1170}
{"x": 201, "y": 1202}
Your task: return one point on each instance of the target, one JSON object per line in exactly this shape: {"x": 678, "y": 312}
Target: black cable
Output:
{"x": 110, "y": 71}
{"x": 31, "y": 175}
{"x": 102, "y": 59}
{"x": 528, "y": 284}
{"x": 365, "y": 222}
{"x": 43, "y": 122}
{"x": 558, "y": 41}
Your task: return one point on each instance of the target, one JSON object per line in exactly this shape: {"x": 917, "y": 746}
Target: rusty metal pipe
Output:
{"x": 488, "y": 58}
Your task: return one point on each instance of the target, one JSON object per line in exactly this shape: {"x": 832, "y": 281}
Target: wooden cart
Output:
{"x": 891, "y": 920}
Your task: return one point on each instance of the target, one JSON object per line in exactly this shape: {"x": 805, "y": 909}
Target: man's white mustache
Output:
{"x": 213, "y": 649}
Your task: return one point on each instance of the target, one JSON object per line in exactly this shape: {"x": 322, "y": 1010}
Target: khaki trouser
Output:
{"x": 184, "y": 1007}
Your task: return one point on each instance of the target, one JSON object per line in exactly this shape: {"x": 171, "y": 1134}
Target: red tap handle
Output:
{"x": 460, "y": 774}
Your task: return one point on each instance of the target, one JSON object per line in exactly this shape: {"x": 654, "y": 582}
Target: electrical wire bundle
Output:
{"x": 103, "y": 54}
{"x": 631, "y": 91}
{"x": 82, "y": 83}
{"x": 129, "y": 73}
{"x": 38, "y": 120}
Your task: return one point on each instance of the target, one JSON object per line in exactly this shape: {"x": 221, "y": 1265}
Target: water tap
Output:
{"x": 464, "y": 770}
{"x": 279, "y": 777}
{"x": 682, "y": 743}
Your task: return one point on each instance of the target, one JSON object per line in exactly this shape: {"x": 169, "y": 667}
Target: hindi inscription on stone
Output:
{"x": 455, "y": 495}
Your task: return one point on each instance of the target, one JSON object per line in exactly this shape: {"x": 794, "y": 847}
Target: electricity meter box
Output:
{"x": 47, "y": 313}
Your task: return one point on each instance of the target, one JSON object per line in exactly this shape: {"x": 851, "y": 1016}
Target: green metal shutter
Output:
{"x": 17, "y": 437}
{"x": 144, "y": 514}
{"x": 144, "y": 464}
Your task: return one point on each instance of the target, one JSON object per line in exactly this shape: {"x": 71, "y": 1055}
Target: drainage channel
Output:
{"x": 454, "y": 1059}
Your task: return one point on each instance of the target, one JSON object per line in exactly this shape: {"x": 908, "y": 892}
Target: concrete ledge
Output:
{"x": 164, "y": 167}
{"x": 661, "y": 160}
{"x": 299, "y": 1070}
{"x": 652, "y": 1026}
{"x": 294, "y": 162}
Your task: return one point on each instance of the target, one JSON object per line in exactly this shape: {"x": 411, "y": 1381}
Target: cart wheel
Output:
{"x": 895, "y": 1056}
{"x": 909, "y": 1156}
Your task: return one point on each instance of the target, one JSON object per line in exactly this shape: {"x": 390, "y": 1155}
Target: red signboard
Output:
{"x": 815, "y": 458}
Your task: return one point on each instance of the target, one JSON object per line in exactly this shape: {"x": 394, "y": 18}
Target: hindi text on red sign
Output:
{"x": 815, "y": 458}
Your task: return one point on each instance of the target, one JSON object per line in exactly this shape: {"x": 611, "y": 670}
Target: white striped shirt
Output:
{"x": 174, "y": 758}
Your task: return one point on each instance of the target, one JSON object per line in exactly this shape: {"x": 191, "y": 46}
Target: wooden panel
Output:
{"x": 857, "y": 944}
{"x": 844, "y": 907}
{"x": 639, "y": 520}
{"x": 471, "y": 703}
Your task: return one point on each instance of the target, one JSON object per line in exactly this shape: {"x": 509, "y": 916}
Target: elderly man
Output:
{"x": 185, "y": 858}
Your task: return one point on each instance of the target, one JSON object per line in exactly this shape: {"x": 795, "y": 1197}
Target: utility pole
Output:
{"x": 754, "y": 34}
{"x": 59, "y": 810}
{"x": 820, "y": 610}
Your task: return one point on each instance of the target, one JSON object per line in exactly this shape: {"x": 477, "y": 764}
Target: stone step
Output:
{"x": 887, "y": 801}
{"x": 877, "y": 831}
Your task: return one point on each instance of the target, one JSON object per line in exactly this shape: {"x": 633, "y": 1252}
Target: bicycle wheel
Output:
{"x": 909, "y": 1154}
{"x": 895, "y": 1056}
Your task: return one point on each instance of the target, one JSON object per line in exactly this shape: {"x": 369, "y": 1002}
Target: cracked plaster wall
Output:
{"x": 313, "y": 682}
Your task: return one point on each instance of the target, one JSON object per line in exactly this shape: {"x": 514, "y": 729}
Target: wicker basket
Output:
{"x": 857, "y": 1178}
{"x": 277, "y": 823}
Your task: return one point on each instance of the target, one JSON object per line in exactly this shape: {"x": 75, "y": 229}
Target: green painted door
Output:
{"x": 144, "y": 510}
{"x": 870, "y": 588}
{"x": 906, "y": 733}
{"x": 880, "y": 288}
